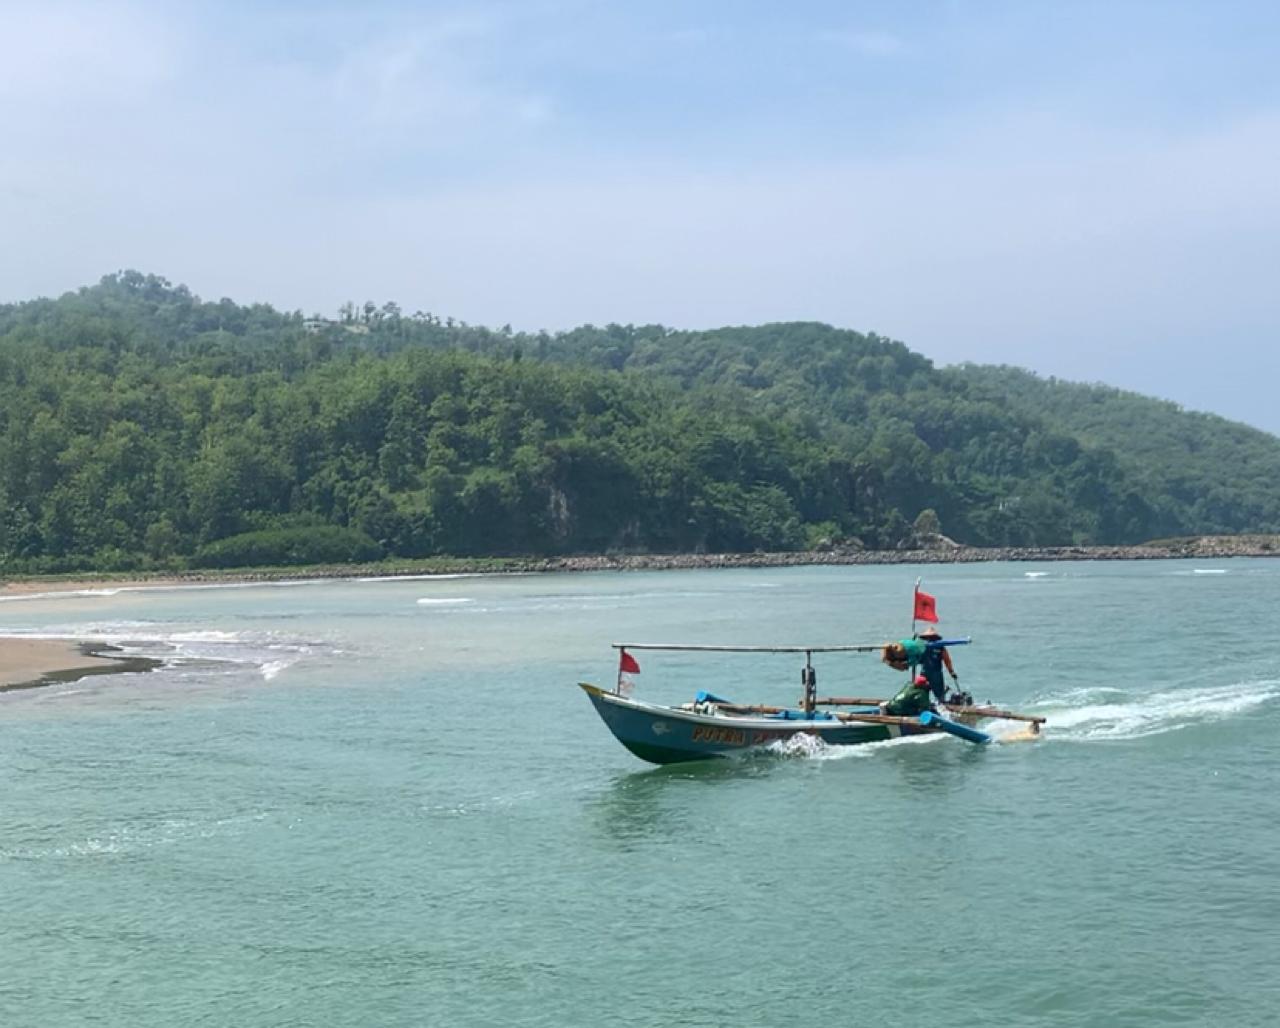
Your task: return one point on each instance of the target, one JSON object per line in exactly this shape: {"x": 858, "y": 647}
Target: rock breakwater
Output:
{"x": 1203, "y": 548}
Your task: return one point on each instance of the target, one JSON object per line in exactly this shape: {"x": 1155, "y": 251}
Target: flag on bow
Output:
{"x": 627, "y": 666}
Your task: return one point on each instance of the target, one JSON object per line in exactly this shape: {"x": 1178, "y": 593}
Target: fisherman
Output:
{"x": 912, "y": 700}
{"x": 933, "y": 660}
{"x": 905, "y": 655}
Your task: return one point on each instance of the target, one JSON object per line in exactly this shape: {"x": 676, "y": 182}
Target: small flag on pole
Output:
{"x": 926, "y": 607}
{"x": 627, "y": 666}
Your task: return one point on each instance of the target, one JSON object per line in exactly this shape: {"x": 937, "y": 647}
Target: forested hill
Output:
{"x": 1222, "y": 472}
{"x": 145, "y": 428}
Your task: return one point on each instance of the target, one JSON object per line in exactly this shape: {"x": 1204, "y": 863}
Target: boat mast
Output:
{"x": 809, "y": 679}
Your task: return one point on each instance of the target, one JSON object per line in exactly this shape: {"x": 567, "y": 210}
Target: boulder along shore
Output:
{"x": 1203, "y": 548}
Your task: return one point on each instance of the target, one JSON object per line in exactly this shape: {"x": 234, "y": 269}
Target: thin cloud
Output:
{"x": 867, "y": 44}
{"x": 58, "y": 52}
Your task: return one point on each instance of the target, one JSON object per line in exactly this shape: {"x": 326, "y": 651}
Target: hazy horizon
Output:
{"x": 1086, "y": 192}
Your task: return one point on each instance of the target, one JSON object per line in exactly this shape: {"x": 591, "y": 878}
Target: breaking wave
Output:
{"x": 60, "y": 594}
{"x": 428, "y": 577}
{"x": 180, "y": 651}
{"x": 116, "y": 590}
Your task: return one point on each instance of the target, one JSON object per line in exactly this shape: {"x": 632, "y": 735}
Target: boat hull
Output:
{"x": 672, "y": 735}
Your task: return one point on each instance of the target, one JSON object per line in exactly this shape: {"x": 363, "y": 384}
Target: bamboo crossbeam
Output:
{"x": 876, "y": 719}
{"x": 856, "y": 701}
{"x": 750, "y": 708}
{"x": 860, "y": 648}
{"x": 1007, "y": 715}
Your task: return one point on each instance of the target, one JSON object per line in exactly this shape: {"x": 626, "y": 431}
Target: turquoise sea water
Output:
{"x": 385, "y": 803}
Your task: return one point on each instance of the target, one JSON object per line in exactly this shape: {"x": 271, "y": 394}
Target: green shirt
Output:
{"x": 911, "y": 701}
{"x": 916, "y": 649}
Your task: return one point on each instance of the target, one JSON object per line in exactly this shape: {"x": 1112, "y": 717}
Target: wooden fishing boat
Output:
{"x": 710, "y": 726}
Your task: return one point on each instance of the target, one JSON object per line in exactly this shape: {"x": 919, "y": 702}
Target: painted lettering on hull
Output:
{"x": 724, "y": 736}
{"x": 719, "y": 734}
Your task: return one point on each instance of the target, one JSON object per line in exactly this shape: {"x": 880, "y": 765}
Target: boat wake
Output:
{"x": 805, "y": 747}
{"x": 810, "y": 747}
{"x": 1089, "y": 715}
{"x": 1081, "y": 715}
{"x": 134, "y": 838}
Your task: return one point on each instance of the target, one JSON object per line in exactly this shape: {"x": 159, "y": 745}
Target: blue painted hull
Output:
{"x": 672, "y": 735}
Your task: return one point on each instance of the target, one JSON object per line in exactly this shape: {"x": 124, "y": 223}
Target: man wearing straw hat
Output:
{"x": 933, "y": 660}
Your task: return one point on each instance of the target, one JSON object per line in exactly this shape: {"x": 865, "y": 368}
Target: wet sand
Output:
{"x": 25, "y": 663}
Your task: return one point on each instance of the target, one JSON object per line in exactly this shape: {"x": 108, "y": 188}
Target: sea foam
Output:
{"x": 1133, "y": 717}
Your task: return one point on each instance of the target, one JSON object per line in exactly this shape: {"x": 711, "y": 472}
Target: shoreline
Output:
{"x": 1203, "y": 548}
{"x": 33, "y": 663}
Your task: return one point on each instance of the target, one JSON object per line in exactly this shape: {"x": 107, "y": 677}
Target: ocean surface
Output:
{"x": 387, "y": 803}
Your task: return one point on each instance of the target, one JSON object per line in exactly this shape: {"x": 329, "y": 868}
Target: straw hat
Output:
{"x": 930, "y": 631}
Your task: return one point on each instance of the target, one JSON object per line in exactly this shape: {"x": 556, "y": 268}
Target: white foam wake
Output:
{"x": 1111, "y": 714}
{"x": 810, "y": 747}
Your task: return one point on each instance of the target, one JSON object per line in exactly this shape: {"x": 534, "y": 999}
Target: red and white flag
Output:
{"x": 627, "y": 666}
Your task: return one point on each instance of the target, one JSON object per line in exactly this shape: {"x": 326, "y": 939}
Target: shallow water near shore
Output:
{"x": 385, "y": 803}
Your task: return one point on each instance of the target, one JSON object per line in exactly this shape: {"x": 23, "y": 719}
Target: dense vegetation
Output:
{"x": 143, "y": 428}
{"x": 1217, "y": 476}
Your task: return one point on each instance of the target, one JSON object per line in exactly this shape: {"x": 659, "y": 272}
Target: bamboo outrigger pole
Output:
{"x": 1007, "y": 715}
{"x": 858, "y": 648}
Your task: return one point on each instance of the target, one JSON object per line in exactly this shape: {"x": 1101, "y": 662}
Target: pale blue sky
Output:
{"x": 1086, "y": 189}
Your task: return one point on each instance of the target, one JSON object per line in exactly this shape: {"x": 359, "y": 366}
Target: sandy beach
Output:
{"x": 27, "y": 662}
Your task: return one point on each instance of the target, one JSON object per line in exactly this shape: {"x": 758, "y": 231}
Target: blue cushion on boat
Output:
{"x": 709, "y": 697}
{"x": 800, "y": 715}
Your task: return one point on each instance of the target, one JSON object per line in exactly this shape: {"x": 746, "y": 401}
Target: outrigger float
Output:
{"x": 712, "y": 727}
